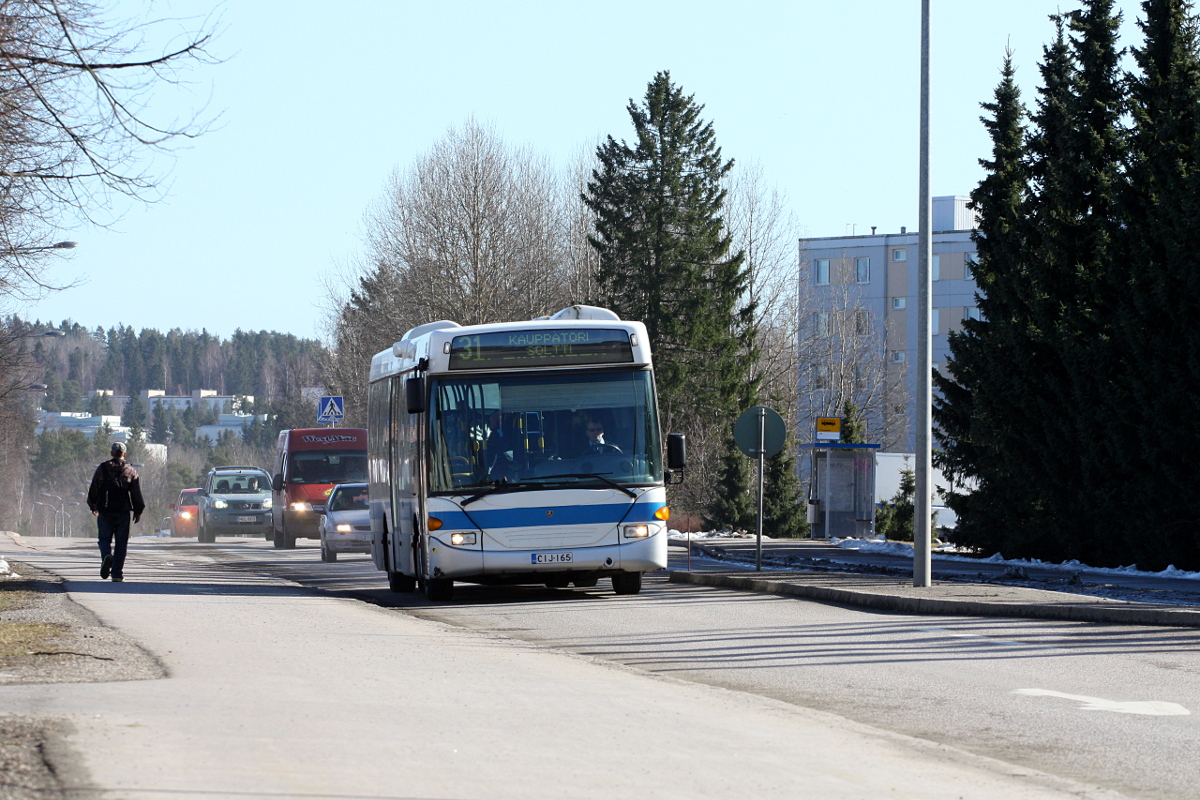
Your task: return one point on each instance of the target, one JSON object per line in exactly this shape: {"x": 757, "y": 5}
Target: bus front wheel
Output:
{"x": 627, "y": 582}
{"x": 439, "y": 590}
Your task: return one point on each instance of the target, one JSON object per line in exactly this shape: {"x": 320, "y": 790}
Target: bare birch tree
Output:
{"x": 843, "y": 355}
{"x": 766, "y": 232}
{"x": 75, "y": 122}
{"x": 474, "y": 231}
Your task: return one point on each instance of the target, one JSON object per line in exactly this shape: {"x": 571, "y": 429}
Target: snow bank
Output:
{"x": 904, "y": 549}
{"x": 698, "y": 535}
{"x": 6, "y": 571}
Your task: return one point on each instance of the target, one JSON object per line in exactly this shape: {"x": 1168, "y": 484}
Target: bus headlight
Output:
{"x": 219, "y": 504}
{"x": 302, "y": 507}
{"x": 460, "y": 539}
{"x": 637, "y": 531}
{"x": 185, "y": 515}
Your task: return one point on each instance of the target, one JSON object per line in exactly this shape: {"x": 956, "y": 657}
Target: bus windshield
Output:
{"x": 542, "y": 429}
{"x": 328, "y": 466}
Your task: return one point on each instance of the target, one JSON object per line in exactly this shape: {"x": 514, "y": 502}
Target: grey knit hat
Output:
{"x": 118, "y": 449}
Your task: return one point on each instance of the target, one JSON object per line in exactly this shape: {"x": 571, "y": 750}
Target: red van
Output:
{"x": 309, "y": 462}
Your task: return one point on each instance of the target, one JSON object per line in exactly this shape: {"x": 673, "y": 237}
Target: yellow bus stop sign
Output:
{"x": 829, "y": 429}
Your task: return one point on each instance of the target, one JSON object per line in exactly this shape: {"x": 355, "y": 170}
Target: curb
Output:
{"x": 1128, "y": 614}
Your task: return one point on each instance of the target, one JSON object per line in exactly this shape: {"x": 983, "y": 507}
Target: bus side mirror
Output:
{"x": 414, "y": 393}
{"x": 676, "y": 451}
{"x": 277, "y": 482}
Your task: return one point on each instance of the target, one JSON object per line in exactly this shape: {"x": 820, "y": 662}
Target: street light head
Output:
{"x": 64, "y": 245}
{"x": 53, "y": 333}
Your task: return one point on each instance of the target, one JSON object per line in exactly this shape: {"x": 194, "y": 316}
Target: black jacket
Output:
{"x": 115, "y": 488}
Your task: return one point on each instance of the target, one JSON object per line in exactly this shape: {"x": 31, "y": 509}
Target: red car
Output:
{"x": 185, "y": 513}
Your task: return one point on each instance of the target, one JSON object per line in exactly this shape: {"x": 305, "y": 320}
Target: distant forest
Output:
{"x": 270, "y": 366}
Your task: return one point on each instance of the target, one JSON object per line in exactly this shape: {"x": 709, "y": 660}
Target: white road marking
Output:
{"x": 1155, "y": 708}
{"x": 958, "y": 635}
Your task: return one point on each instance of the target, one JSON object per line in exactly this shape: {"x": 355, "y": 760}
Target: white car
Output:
{"x": 345, "y": 526}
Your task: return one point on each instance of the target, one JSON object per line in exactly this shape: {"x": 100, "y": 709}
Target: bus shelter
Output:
{"x": 841, "y": 491}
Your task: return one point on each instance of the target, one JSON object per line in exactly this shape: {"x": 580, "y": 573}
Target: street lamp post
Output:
{"x": 70, "y": 521}
{"x": 44, "y": 505}
{"x": 57, "y": 510}
{"x": 922, "y": 567}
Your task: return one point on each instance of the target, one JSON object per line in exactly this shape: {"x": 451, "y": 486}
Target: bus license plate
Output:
{"x": 553, "y": 558}
{"x": 247, "y": 519}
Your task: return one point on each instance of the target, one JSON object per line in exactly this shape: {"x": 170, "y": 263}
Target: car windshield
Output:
{"x": 241, "y": 484}
{"x": 327, "y": 466}
{"x": 544, "y": 428}
{"x": 349, "y": 499}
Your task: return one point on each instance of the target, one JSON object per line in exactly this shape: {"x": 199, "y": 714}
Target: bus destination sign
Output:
{"x": 540, "y": 348}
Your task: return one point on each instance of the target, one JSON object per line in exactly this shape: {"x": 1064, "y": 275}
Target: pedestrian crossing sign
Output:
{"x": 331, "y": 409}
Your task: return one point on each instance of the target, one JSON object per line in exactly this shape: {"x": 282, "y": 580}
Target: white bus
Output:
{"x": 521, "y": 452}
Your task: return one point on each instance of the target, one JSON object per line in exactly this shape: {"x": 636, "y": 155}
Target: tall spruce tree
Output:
{"x": 985, "y": 397}
{"x": 1160, "y": 301}
{"x": 664, "y": 259}
{"x": 1079, "y": 150}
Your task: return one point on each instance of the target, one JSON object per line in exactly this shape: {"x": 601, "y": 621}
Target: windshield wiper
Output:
{"x": 597, "y": 476}
{"x": 502, "y": 487}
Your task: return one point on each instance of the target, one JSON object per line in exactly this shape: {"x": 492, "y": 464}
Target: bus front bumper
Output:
{"x": 467, "y": 564}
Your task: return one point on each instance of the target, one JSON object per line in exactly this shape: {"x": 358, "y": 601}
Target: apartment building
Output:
{"x": 864, "y": 289}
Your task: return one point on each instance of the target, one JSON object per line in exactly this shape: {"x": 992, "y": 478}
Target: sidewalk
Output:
{"x": 890, "y": 592}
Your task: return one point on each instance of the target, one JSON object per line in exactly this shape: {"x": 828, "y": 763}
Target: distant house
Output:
{"x": 82, "y": 421}
{"x": 233, "y": 423}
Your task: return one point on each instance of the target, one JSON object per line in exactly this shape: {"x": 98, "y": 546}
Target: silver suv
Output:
{"x": 235, "y": 500}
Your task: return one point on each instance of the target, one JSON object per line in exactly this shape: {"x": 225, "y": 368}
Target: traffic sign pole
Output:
{"x": 762, "y": 447}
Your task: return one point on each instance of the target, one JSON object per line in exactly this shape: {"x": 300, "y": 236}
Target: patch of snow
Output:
{"x": 698, "y": 535}
{"x": 6, "y": 571}
{"x": 1072, "y": 566}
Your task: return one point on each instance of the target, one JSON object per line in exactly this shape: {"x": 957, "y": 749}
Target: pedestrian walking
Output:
{"x": 116, "y": 491}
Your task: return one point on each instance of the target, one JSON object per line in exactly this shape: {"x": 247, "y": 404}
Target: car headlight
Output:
{"x": 266, "y": 503}
{"x": 460, "y": 539}
{"x": 344, "y": 528}
{"x": 219, "y": 504}
{"x": 302, "y": 507}
{"x": 637, "y": 531}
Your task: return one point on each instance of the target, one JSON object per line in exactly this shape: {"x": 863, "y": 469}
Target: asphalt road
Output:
{"x": 282, "y": 679}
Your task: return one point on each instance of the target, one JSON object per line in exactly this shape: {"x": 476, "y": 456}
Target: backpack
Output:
{"x": 113, "y": 488}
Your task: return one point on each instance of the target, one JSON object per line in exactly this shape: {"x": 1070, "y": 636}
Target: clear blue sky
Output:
{"x": 319, "y": 102}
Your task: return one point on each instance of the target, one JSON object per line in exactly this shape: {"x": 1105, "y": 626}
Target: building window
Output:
{"x": 862, "y": 323}
{"x": 822, "y": 270}
{"x": 821, "y": 324}
{"x": 820, "y": 376}
{"x": 898, "y": 303}
{"x": 972, "y": 312}
{"x": 935, "y": 269}
{"x": 862, "y": 270}
{"x": 860, "y": 378}
{"x": 899, "y": 254}
{"x": 898, "y": 356}
{"x": 934, "y": 320}
{"x": 969, "y": 261}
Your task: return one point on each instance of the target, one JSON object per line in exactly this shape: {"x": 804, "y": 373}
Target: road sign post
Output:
{"x": 759, "y": 433}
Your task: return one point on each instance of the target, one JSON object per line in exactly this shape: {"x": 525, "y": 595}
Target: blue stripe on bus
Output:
{"x": 536, "y": 517}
